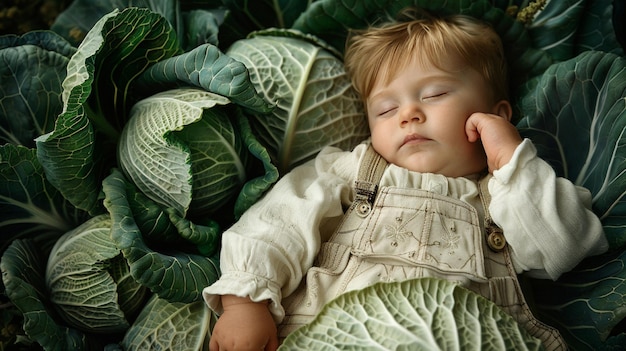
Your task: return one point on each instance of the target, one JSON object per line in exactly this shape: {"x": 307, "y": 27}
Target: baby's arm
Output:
{"x": 547, "y": 220}
{"x": 244, "y": 325}
{"x": 267, "y": 252}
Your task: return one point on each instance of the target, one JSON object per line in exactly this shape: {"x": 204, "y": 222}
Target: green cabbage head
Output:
{"x": 89, "y": 281}
{"x": 314, "y": 102}
{"x": 183, "y": 150}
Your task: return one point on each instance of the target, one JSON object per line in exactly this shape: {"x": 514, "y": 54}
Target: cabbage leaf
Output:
{"x": 174, "y": 274}
{"x": 565, "y": 29}
{"x": 97, "y": 98}
{"x": 202, "y": 27}
{"x": 32, "y": 70}
{"x": 586, "y": 304}
{"x": 244, "y": 16}
{"x": 23, "y": 276}
{"x": 576, "y": 115}
{"x": 208, "y": 68}
{"x": 419, "y": 314}
{"x": 562, "y": 30}
{"x": 30, "y": 207}
{"x": 164, "y": 325}
{"x": 131, "y": 50}
{"x": 165, "y": 165}
{"x": 79, "y": 18}
{"x": 88, "y": 255}
{"x": 313, "y": 96}
{"x": 163, "y": 150}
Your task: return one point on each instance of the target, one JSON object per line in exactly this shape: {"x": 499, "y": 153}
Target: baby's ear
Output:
{"x": 503, "y": 109}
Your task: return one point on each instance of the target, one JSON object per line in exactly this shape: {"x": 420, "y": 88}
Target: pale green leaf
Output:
{"x": 164, "y": 325}
{"x": 79, "y": 281}
{"x": 161, "y": 168}
{"x": 420, "y": 314}
{"x": 23, "y": 268}
{"x": 316, "y": 105}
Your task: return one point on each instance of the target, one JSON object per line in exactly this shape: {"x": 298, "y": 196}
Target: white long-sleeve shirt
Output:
{"x": 547, "y": 221}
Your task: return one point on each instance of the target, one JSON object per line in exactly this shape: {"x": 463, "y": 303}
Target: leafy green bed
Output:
{"x": 133, "y": 136}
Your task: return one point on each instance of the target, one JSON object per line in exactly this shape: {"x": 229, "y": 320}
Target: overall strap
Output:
{"x": 495, "y": 236}
{"x": 515, "y": 303}
{"x": 369, "y": 174}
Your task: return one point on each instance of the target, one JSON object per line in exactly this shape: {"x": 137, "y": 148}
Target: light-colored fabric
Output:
{"x": 547, "y": 221}
{"x": 268, "y": 252}
{"x": 503, "y": 287}
{"x": 396, "y": 234}
{"x": 409, "y": 233}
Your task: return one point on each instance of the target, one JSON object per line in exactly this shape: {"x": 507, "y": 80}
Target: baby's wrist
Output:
{"x": 233, "y": 300}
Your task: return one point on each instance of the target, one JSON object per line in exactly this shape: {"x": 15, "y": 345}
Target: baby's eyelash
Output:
{"x": 384, "y": 112}
{"x": 435, "y": 95}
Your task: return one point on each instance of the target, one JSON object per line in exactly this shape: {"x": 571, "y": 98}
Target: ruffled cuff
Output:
{"x": 245, "y": 285}
{"x": 524, "y": 153}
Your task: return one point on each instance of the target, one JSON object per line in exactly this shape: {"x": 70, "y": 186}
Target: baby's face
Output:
{"x": 417, "y": 120}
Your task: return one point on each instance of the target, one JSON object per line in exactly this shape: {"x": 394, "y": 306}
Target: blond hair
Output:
{"x": 378, "y": 53}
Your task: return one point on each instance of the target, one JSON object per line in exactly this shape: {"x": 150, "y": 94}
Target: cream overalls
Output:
{"x": 395, "y": 234}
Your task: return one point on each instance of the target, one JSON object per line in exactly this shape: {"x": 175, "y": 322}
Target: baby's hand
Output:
{"x": 500, "y": 138}
{"x": 244, "y": 325}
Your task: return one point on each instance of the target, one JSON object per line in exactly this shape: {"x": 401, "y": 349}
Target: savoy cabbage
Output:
{"x": 93, "y": 180}
{"x": 419, "y": 314}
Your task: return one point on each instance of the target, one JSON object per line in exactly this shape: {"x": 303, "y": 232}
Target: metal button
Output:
{"x": 496, "y": 241}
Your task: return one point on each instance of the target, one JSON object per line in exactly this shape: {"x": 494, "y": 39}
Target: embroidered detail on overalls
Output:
{"x": 396, "y": 233}
{"x": 452, "y": 242}
{"x": 450, "y": 238}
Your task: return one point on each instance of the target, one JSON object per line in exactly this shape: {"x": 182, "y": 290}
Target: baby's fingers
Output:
{"x": 472, "y": 128}
{"x": 272, "y": 344}
{"x": 213, "y": 345}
